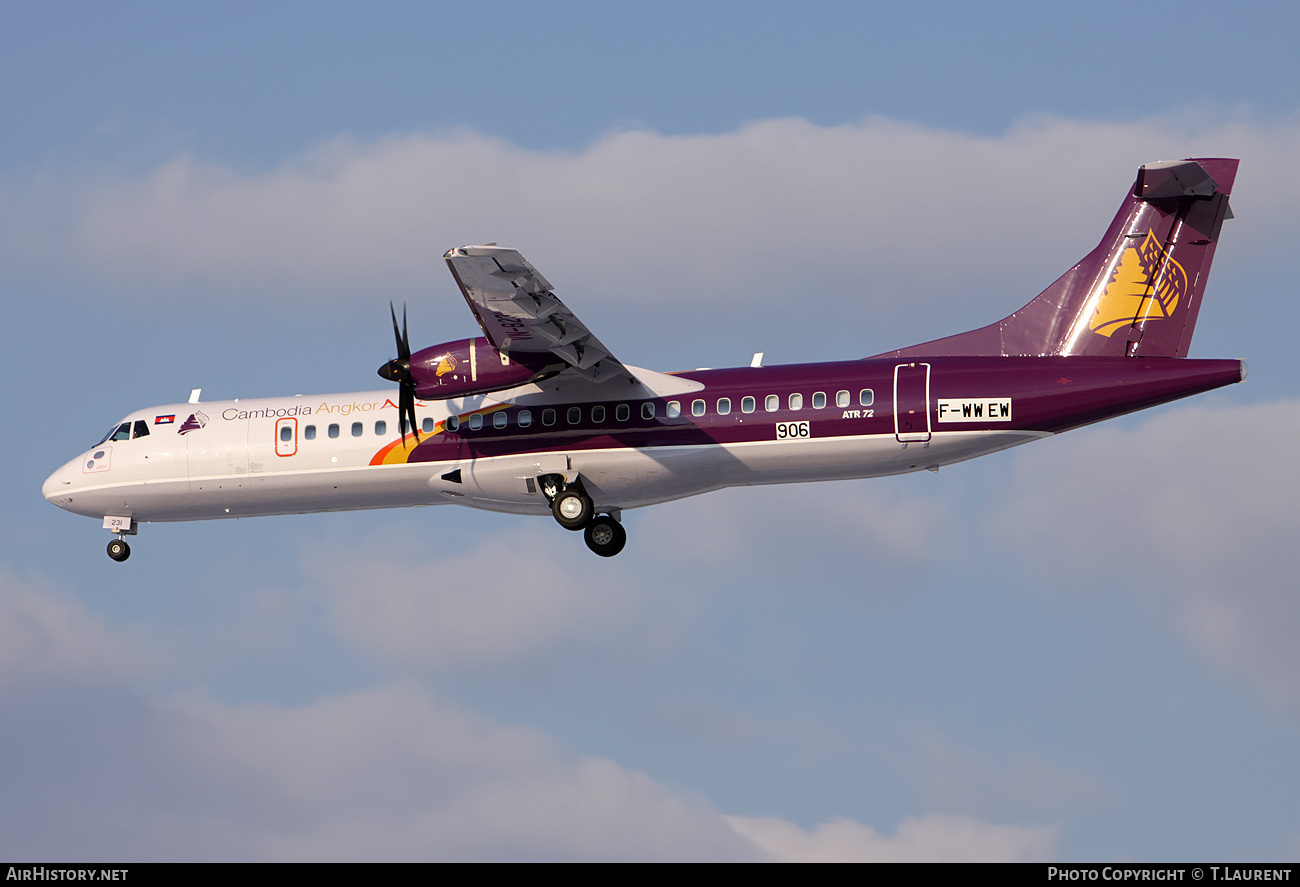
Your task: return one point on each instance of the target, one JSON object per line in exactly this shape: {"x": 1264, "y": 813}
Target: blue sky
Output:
{"x": 1078, "y": 650}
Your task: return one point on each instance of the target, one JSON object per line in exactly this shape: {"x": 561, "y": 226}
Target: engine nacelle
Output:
{"x": 473, "y": 366}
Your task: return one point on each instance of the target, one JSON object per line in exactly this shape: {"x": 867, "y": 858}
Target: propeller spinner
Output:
{"x": 399, "y": 370}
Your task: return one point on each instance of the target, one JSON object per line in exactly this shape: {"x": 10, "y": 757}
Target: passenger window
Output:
{"x": 525, "y": 418}
{"x": 697, "y": 408}
{"x": 357, "y": 429}
{"x": 286, "y": 433}
{"x": 427, "y": 425}
{"x": 622, "y": 412}
{"x": 724, "y": 406}
{"x": 866, "y": 397}
{"x": 575, "y": 415}
{"x": 841, "y": 398}
{"x": 772, "y": 403}
{"x": 548, "y": 417}
{"x": 309, "y": 432}
{"x": 476, "y": 422}
{"x": 747, "y": 405}
{"x": 819, "y": 400}
{"x": 597, "y": 415}
{"x": 334, "y": 431}
{"x": 674, "y": 409}
{"x": 648, "y": 410}
{"x": 381, "y": 428}
{"x": 453, "y": 423}
{"x": 796, "y": 401}
{"x": 141, "y": 428}
{"x": 499, "y": 420}
{"x": 123, "y": 432}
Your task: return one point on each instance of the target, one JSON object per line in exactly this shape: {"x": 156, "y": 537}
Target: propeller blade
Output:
{"x": 399, "y": 370}
{"x": 396, "y": 336}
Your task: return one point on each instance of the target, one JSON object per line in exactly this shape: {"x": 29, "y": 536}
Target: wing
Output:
{"x": 518, "y": 311}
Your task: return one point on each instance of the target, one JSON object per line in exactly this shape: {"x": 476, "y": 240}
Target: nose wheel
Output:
{"x": 118, "y": 550}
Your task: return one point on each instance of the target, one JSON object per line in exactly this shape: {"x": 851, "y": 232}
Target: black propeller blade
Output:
{"x": 399, "y": 370}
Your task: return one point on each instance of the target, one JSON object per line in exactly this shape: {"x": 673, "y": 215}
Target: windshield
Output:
{"x": 117, "y": 432}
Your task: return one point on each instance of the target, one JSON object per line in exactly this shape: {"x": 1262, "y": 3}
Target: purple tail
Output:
{"x": 1138, "y": 293}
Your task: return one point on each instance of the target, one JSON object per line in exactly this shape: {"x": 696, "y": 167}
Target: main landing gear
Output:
{"x": 573, "y": 510}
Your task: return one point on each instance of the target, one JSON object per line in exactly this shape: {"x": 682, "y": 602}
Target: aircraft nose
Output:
{"x": 56, "y": 486}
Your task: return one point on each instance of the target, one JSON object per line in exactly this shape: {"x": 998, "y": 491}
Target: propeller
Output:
{"x": 399, "y": 370}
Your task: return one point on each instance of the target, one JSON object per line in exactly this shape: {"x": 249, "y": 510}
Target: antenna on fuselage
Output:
{"x": 758, "y": 359}
{"x": 194, "y": 394}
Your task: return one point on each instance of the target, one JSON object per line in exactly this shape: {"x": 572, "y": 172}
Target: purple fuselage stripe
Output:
{"x": 1048, "y": 395}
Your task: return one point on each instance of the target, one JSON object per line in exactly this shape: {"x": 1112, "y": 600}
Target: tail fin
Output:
{"x": 1138, "y": 293}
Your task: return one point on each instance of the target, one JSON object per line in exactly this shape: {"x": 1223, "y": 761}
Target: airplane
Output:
{"x": 537, "y": 416}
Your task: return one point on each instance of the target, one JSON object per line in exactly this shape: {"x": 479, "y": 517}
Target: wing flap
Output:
{"x": 518, "y": 311}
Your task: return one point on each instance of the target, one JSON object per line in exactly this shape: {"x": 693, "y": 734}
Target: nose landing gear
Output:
{"x": 123, "y": 526}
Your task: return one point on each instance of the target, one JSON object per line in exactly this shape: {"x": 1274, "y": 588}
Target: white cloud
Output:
{"x": 390, "y": 773}
{"x": 854, "y": 213}
{"x": 512, "y": 595}
{"x": 1197, "y": 509}
{"x": 934, "y": 838}
{"x": 817, "y": 520}
{"x": 103, "y": 770}
{"x": 45, "y": 634}
{"x": 796, "y": 740}
{"x": 954, "y": 777}
{"x": 393, "y": 773}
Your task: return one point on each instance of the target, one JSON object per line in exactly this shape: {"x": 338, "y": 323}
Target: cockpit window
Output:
{"x": 123, "y": 432}
{"x": 141, "y": 428}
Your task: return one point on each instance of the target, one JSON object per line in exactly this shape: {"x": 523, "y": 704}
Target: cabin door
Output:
{"x": 912, "y": 402}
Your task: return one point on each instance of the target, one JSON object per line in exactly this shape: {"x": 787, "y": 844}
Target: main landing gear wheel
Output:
{"x": 572, "y": 509}
{"x": 605, "y": 536}
{"x": 118, "y": 550}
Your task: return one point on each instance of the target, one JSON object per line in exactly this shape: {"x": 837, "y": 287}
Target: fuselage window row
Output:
{"x": 573, "y": 415}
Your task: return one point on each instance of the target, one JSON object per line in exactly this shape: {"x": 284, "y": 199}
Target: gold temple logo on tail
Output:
{"x": 1146, "y": 284}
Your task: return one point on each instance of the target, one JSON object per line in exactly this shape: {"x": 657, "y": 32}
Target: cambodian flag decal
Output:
{"x": 164, "y": 420}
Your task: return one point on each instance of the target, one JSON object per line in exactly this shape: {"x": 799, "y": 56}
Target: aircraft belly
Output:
{"x": 845, "y": 458}
{"x": 632, "y": 478}
{"x": 345, "y": 489}
{"x": 628, "y": 478}
{"x": 224, "y": 496}
{"x": 614, "y": 478}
